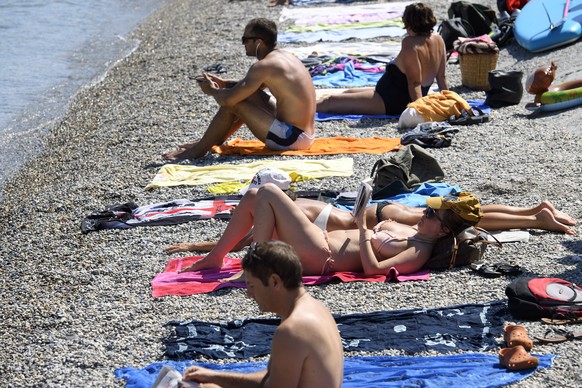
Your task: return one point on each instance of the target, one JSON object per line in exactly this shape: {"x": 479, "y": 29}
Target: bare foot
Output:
{"x": 238, "y": 277}
{"x": 189, "y": 247}
{"x": 548, "y": 222}
{"x": 184, "y": 151}
{"x": 204, "y": 263}
{"x": 560, "y": 216}
{"x": 273, "y": 3}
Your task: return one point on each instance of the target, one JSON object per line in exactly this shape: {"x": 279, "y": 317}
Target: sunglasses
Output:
{"x": 245, "y": 39}
{"x": 430, "y": 213}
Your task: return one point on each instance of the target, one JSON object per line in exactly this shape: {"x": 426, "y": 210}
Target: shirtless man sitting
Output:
{"x": 284, "y": 121}
{"x": 307, "y": 349}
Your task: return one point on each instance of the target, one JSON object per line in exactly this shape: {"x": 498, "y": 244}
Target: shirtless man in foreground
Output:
{"x": 285, "y": 122}
{"x": 307, "y": 349}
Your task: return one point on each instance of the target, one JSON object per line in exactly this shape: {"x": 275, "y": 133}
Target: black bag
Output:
{"x": 482, "y": 18}
{"x": 453, "y": 29}
{"x": 506, "y": 88}
{"x": 534, "y": 298}
{"x": 465, "y": 248}
{"x": 403, "y": 171}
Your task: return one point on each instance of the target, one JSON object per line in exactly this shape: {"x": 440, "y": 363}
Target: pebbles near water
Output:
{"x": 75, "y": 307}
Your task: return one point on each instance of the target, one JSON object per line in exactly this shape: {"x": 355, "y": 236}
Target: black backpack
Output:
{"x": 453, "y": 29}
{"x": 481, "y": 18}
{"x": 535, "y": 298}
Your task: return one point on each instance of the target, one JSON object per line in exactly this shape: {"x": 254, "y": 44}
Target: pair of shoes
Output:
{"x": 516, "y": 356}
{"x": 556, "y": 336}
{"x": 496, "y": 270}
{"x": 469, "y": 117}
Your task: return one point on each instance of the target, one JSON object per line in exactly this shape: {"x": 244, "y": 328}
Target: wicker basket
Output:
{"x": 475, "y": 69}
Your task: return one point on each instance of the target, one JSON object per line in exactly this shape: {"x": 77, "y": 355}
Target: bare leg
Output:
{"x": 276, "y": 211}
{"x": 221, "y": 127}
{"x": 240, "y": 224}
{"x": 544, "y": 220}
{"x": 558, "y": 215}
{"x": 356, "y": 102}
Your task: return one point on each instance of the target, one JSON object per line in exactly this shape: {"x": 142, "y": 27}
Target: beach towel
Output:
{"x": 320, "y": 146}
{"x": 386, "y": 49}
{"x": 339, "y": 35}
{"x": 299, "y": 3}
{"x": 349, "y": 77}
{"x": 474, "y": 370}
{"x": 467, "y": 327}
{"x": 170, "y": 282}
{"x": 297, "y": 15}
{"x": 180, "y": 174}
{"x": 129, "y": 215}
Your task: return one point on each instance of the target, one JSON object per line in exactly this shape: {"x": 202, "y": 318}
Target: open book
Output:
{"x": 171, "y": 378}
{"x": 363, "y": 197}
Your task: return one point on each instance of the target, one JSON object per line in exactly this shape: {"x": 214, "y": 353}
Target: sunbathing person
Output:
{"x": 371, "y": 251}
{"x": 284, "y": 121}
{"x": 422, "y": 58}
{"x": 306, "y": 348}
{"x": 495, "y": 217}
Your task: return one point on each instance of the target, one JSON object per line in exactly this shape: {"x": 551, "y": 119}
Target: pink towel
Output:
{"x": 170, "y": 282}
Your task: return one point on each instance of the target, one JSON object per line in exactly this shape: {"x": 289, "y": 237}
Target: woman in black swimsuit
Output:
{"x": 407, "y": 78}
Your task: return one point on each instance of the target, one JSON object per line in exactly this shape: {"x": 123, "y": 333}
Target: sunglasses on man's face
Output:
{"x": 245, "y": 39}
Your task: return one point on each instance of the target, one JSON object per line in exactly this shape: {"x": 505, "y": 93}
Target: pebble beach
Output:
{"x": 77, "y": 306}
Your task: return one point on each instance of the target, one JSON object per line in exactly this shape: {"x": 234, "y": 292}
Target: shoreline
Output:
{"x": 80, "y": 306}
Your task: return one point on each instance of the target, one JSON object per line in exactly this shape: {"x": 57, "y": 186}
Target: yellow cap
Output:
{"x": 463, "y": 204}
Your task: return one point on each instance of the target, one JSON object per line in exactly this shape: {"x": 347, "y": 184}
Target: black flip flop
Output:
{"x": 496, "y": 270}
{"x": 469, "y": 117}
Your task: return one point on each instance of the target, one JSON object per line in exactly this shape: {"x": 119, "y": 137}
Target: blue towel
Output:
{"x": 474, "y": 370}
{"x": 469, "y": 327}
{"x": 348, "y": 77}
{"x": 334, "y": 116}
{"x": 415, "y": 199}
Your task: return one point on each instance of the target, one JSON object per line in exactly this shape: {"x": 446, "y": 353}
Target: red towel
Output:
{"x": 170, "y": 282}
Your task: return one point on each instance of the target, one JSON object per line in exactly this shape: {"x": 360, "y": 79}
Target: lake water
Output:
{"x": 49, "y": 50}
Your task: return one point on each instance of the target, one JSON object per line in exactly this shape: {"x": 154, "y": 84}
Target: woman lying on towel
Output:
{"x": 369, "y": 250}
{"x": 495, "y": 217}
{"x": 421, "y": 59}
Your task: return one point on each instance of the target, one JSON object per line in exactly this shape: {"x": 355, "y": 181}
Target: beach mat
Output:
{"x": 321, "y": 146}
{"x": 181, "y": 174}
{"x": 468, "y": 327}
{"x": 475, "y": 370}
{"x": 170, "y": 282}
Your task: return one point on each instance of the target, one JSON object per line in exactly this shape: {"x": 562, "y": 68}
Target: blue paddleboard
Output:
{"x": 541, "y": 24}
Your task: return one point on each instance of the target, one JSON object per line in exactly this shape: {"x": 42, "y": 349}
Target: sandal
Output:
{"x": 516, "y": 335}
{"x": 565, "y": 320}
{"x": 517, "y": 358}
{"x": 557, "y": 336}
{"x": 496, "y": 270}
{"x": 469, "y": 117}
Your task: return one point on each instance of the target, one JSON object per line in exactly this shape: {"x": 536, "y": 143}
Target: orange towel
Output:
{"x": 320, "y": 146}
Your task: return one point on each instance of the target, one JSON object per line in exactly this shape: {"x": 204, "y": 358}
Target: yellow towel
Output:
{"x": 179, "y": 174}
{"x": 320, "y": 146}
{"x": 440, "y": 106}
